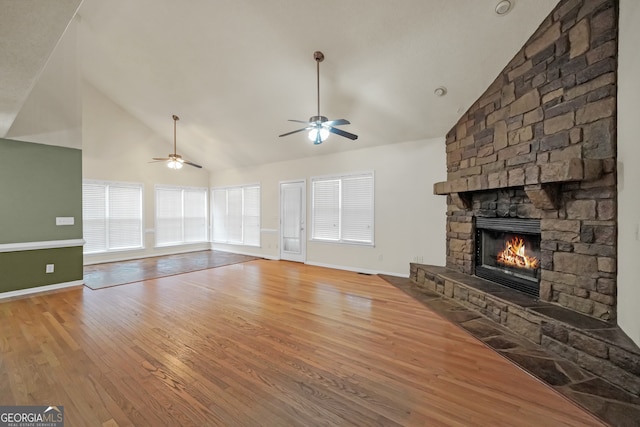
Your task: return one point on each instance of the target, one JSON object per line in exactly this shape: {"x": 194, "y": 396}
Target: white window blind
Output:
{"x": 181, "y": 215}
{"x": 326, "y": 209}
{"x": 343, "y": 208}
{"x": 111, "y": 216}
{"x": 219, "y": 215}
{"x": 168, "y": 216}
{"x": 195, "y": 215}
{"x": 251, "y": 216}
{"x": 357, "y": 209}
{"x": 236, "y": 215}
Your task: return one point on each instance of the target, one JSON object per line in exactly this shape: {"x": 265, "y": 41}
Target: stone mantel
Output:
{"x": 571, "y": 170}
{"x": 539, "y": 181}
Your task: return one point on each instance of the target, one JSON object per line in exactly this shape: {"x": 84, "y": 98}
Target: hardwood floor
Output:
{"x": 262, "y": 343}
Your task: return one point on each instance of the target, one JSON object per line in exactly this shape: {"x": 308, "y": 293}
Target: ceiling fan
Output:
{"x": 175, "y": 160}
{"x": 319, "y": 126}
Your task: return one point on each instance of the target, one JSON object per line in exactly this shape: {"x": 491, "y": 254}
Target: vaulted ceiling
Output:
{"x": 236, "y": 70}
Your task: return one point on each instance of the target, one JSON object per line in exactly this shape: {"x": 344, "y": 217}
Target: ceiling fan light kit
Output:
{"x": 175, "y": 160}
{"x": 320, "y": 127}
{"x": 174, "y": 164}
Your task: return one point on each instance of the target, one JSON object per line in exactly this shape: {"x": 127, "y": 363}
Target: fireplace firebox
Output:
{"x": 508, "y": 252}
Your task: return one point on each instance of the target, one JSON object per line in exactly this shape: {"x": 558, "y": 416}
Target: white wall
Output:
{"x": 410, "y": 220}
{"x": 629, "y": 170}
{"x": 118, "y": 147}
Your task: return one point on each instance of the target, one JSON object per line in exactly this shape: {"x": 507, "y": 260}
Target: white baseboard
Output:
{"x": 39, "y": 289}
{"x": 356, "y": 269}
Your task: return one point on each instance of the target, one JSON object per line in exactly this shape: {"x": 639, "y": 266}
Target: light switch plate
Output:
{"x": 65, "y": 220}
{"x": 49, "y": 268}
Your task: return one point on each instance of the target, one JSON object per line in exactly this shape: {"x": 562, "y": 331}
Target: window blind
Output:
{"x": 111, "y": 216}
{"x": 251, "y": 216}
{"x": 343, "y": 208}
{"x": 219, "y": 215}
{"x": 236, "y": 215}
{"x": 195, "y": 215}
{"x": 326, "y": 209}
{"x": 357, "y": 209}
{"x": 181, "y": 215}
{"x": 168, "y": 216}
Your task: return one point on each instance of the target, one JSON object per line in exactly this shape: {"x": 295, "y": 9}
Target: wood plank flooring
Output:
{"x": 262, "y": 343}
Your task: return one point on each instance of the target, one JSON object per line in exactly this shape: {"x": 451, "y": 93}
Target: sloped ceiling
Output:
{"x": 29, "y": 32}
{"x": 236, "y": 70}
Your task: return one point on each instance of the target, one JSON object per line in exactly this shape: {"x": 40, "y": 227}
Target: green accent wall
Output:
{"x": 26, "y": 269}
{"x": 37, "y": 184}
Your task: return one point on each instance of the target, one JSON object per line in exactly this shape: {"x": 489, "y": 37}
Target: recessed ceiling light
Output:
{"x": 503, "y": 7}
{"x": 440, "y": 91}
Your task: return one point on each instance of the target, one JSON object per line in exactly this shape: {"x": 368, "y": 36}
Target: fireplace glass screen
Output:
{"x": 508, "y": 252}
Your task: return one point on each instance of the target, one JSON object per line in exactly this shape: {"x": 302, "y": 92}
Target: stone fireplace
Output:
{"x": 540, "y": 144}
{"x": 534, "y": 158}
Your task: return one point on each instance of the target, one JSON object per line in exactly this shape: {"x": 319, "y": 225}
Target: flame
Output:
{"x": 514, "y": 255}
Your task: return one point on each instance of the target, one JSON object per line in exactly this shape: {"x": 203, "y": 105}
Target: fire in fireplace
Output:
{"x": 508, "y": 252}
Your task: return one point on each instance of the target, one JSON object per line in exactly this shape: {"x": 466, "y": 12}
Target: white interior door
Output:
{"x": 293, "y": 215}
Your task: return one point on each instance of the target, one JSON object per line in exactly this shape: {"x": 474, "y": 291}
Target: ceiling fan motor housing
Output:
{"x": 318, "y": 119}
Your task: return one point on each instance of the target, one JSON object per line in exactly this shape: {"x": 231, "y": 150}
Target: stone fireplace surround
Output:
{"x": 540, "y": 143}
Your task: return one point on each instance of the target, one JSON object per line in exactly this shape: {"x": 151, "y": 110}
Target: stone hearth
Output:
{"x": 595, "y": 345}
{"x": 540, "y": 143}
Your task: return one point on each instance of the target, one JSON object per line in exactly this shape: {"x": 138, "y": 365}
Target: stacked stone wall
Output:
{"x": 549, "y": 117}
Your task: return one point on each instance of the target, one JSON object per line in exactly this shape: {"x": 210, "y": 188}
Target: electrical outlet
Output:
{"x": 49, "y": 268}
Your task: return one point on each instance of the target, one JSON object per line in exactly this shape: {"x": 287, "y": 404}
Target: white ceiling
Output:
{"x": 236, "y": 70}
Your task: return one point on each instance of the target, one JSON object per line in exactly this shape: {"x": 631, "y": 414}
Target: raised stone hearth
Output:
{"x": 540, "y": 143}
{"x": 595, "y": 345}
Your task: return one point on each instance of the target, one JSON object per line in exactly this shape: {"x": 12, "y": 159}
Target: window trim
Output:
{"x": 243, "y": 187}
{"x": 340, "y": 177}
{"x": 206, "y": 214}
{"x": 105, "y": 182}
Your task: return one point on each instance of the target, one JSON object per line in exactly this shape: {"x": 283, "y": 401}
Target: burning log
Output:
{"x": 514, "y": 255}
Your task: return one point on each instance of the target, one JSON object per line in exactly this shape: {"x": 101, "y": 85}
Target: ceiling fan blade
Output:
{"x": 187, "y": 162}
{"x": 295, "y": 131}
{"x": 299, "y": 121}
{"x": 159, "y": 159}
{"x": 337, "y": 122}
{"x": 342, "y": 133}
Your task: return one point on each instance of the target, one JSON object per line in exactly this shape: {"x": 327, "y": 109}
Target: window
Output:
{"x": 181, "y": 215}
{"x": 342, "y": 210}
{"x": 111, "y": 216}
{"x": 236, "y": 215}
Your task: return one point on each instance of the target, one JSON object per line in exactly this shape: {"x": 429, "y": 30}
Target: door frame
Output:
{"x": 303, "y": 217}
